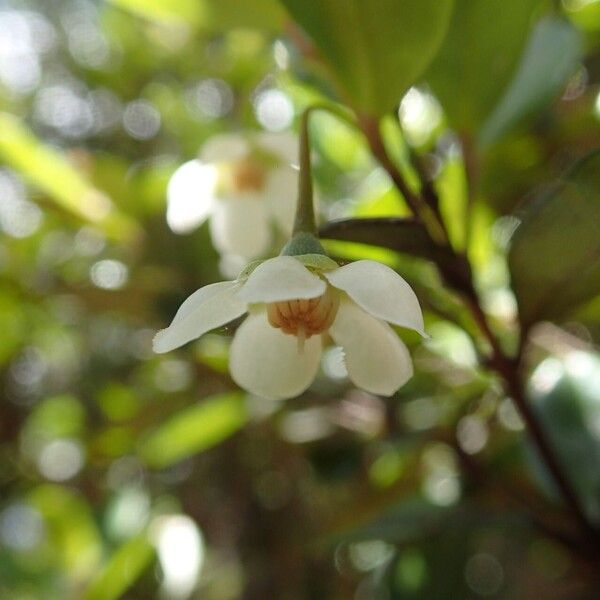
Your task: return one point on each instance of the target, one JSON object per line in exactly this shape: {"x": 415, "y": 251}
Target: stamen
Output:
{"x": 304, "y": 318}
{"x": 248, "y": 175}
{"x": 301, "y": 338}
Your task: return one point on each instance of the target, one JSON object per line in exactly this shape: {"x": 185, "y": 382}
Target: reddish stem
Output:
{"x": 508, "y": 368}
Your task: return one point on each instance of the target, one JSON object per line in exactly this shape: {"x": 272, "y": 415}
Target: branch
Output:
{"x": 417, "y": 204}
{"x": 506, "y": 367}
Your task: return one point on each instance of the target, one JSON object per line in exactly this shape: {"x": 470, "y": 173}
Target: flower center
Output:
{"x": 304, "y": 318}
{"x": 246, "y": 175}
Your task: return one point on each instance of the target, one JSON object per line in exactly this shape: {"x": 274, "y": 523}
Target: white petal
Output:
{"x": 281, "y": 191}
{"x": 283, "y": 145}
{"x": 231, "y": 265}
{"x": 208, "y": 308}
{"x": 381, "y": 292}
{"x": 267, "y": 362}
{"x": 376, "y": 359}
{"x": 224, "y": 147}
{"x": 240, "y": 226}
{"x": 281, "y": 278}
{"x": 190, "y": 195}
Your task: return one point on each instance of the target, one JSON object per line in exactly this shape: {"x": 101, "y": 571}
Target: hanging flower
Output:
{"x": 295, "y": 303}
{"x": 242, "y": 184}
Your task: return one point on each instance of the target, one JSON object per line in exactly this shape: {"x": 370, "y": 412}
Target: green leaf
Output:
{"x": 452, "y": 188}
{"x": 554, "y": 257}
{"x": 174, "y": 12}
{"x": 376, "y": 49}
{"x": 551, "y": 57}
{"x": 319, "y": 262}
{"x": 566, "y": 398}
{"x": 398, "y": 234}
{"x": 208, "y": 14}
{"x": 400, "y": 523}
{"x": 194, "y": 429}
{"x": 51, "y": 172}
{"x": 478, "y": 57}
{"x": 74, "y": 538}
{"x": 223, "y": 15}
{"x": 122, "y": 570}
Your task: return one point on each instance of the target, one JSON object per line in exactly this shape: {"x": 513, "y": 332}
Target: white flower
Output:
{"x": 243, "y": 184}
{"x": 277, "y": 349}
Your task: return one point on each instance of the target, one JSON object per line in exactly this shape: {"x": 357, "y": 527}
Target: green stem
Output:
{"x": 305, "y": 221}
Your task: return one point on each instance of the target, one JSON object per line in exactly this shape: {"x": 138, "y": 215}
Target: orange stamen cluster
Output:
{"x": 304, "y": 318}
{"x": 247, "y": 176}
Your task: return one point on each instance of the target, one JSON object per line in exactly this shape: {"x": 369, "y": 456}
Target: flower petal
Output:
{"x": 376, "y": 359}
{"x": 267, "y": 362}
{"x": 283, "y": 145}
{"x": 381, "y": 292}
{"x": 190, "y": 196}
{"x": 207, "y": 308}
{"x": 224, "y": 147}
{"x": 239, "y": 226}
{"x": 280, "y": 198}
{"x": 281, "y": 278}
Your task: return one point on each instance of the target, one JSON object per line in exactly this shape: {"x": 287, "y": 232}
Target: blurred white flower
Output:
{"x": 293, "y": 303}
{"x": 242, "y": 183}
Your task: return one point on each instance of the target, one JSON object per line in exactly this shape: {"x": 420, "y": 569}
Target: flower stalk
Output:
{"x": 305, "y": 221}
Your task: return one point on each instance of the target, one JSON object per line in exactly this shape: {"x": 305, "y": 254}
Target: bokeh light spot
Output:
{"x": 141, "y": 120}
{"x": 484, "y": 574}
{"x": 274, "y": 110}
{"x": 180, "y": 548}
{"x": 109, "y": 274}
{"x": 60, "y": 459}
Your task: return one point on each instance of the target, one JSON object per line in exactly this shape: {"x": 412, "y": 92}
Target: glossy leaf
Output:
{"x": 122, "y": 570}
{"x": 566, "y": 398}
{"x": 555, "y": 253}
{"x": 398, "y": 234}
{"x": 478, "y": 57}
{"x": 551, "y": 57}
{"x": 376, "y": 49}
{"x": 194, "y": 429}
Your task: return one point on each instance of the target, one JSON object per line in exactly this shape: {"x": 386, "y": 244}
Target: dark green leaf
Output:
{"x": 555, "y": 254}
{"x": 398, "y": 234}
{"x": 377, "y": 49}
{"x": 478, "y": 57}
{"x": 568, "y": 406}
{"x": 550, "y": 58}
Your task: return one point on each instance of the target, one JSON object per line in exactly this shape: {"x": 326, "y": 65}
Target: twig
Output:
{"x": 476, "y": 472}
{"x": 508, "y": 368}
{"x": 370, "y": 128}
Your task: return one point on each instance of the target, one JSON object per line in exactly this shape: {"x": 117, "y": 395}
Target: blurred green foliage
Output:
{"x": 125, "y": 474}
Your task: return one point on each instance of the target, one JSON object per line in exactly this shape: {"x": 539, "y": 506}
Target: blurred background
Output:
{"x": 125, "y": 474}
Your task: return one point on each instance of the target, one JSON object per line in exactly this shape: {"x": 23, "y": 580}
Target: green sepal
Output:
{"x": 301, "y": 244}
{"x": 318, "y": 262}
{"x": 245, "y": 272}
